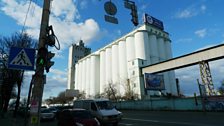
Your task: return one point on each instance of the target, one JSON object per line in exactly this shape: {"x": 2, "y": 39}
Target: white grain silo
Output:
{"x": 76, "y": 76}
{"x": 121, "y": 61}
{"x": 108, "y": 66}
{"x": 162, "y": 57}
{"x": 102, "y": 71}
{"x": 88, "y": 71}
{"x": 122, "y": 66}
{"x": 115, "y": 66}
{"x": 153, "y": 48}
{"x": 94, "y": 75}
{"x": 140, "y": 39}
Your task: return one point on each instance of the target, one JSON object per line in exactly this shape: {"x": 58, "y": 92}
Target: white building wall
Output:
{"x": 80, "y": 76}
{"x": 102, "y": 71}
{"x": 112, "y": 64}
{"x": 122, "y": 66}
{"x": 172, "y": 81}
{"x": 162, "y": 57}
{"x": 97, "y": 75}
{"x": 76, "y": 75}
{"x": 94, "y": 75}
{"x": 108, "y": 66}
{"x": 115, "y": 66}
{"x": 88, "y": 80}
{"x": 153, "y": 49}
{"x": 70, "y": 73}
{"x": 140, "y": 39}
{"x": 130, "y": 48}
{"x": 84, "y": 76}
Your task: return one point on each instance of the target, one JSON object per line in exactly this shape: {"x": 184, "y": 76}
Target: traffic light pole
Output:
{"x": 39, "y": 77}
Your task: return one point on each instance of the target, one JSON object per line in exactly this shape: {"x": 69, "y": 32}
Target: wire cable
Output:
{"x": 26, "y": 17}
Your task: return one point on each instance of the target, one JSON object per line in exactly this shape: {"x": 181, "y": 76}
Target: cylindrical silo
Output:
{"x": 84, "y": 76}
{"x": 88, "y": 71}
{"x": 172, "y": 81}
{"x": 92, "y": 75}
{"x": 115, "y": 65}
{"x": 97, "y": 74}
{"x": 154, "y": 53}
{"x": 162, "y": 57}
{"x": 80, "y": 75}
{"x": 122, "y": 66}
{"x": 102, "y": 71}
{"x": 76, "y": 75}
{"x": 108, "y": 66}
{"x": 161, "y": 48}
{"x": 141, "y": 37}
{"x": 130, "y": 48}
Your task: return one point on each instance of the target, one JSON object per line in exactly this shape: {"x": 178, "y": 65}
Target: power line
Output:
{"x": 26, "y": 17}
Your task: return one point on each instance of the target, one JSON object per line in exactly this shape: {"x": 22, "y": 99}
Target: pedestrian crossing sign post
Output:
{"x": 21, "y": 58}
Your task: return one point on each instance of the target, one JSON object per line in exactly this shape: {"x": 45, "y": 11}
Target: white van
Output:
{"x": 102, "y": 109}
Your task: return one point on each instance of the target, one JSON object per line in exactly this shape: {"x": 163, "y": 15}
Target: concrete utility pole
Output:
{"x": 39, "y": 77}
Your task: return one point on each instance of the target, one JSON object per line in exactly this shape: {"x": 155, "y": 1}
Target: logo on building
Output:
{"x": 153, "y": 21}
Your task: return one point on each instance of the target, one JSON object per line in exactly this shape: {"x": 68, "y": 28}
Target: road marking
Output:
{"x": 126, "y": 124}
{"x": 156, "y": 121}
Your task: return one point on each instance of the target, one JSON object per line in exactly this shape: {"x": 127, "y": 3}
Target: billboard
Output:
{"x": 154, "y": 82}
{"x": 153, "y": 21}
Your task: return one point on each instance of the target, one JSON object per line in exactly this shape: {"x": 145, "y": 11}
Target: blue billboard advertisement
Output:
{"x": 154, "y": 82}
{"x": 153, "y": 21}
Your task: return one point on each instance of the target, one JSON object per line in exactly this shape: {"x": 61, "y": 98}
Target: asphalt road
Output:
{"x": 149, "y": 118}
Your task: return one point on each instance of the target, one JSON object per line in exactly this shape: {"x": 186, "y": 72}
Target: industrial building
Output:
{"x": 76, "y": 52}
{"x": 120, "y": 62}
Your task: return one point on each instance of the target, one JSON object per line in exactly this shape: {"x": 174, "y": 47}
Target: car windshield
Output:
{"x": 82, "y": 114}
{"x": 45, "y": 111}
{"x": 104, "y": 105}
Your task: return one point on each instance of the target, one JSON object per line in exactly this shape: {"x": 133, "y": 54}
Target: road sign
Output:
{"x": 21, "y": 58}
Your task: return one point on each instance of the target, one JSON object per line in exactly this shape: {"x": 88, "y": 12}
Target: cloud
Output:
{"x": 63, "y": 18}
{"x": 201, "y": 33}
{"x": 190, "y": 11}
{"x": 55, "y": 83}
{"x": 184, "y": 40}
{"x": 83, "y": 4}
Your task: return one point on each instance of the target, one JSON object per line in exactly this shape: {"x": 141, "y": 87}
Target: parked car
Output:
{"x": 77, "y": 117}
{"x": 46, "y": 114}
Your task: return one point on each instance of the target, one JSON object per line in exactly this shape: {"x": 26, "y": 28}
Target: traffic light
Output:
{"x": 41, "y": 59}
{"x": 134, "y": 14}
{"x": 49, "y": 63}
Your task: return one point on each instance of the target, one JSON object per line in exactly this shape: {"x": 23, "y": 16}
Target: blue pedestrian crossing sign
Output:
{"x": 21, "y": 58}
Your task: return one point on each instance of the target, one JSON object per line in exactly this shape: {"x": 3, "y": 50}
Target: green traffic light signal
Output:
{"x": 41, "y": 62}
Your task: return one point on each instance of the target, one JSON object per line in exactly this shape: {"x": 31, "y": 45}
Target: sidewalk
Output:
{"x": 8, "y": 120}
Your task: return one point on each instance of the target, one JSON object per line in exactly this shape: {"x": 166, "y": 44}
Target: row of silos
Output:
{"x": 109, "y": 65}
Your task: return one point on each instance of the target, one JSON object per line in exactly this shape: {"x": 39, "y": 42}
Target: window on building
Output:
{"x": 133, "y": 63}
{"x": 133, "y": 72}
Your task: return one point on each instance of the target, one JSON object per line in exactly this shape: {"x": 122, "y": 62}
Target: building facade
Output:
{"x": 120, "y": 62}
{"x": 76, "y": 52}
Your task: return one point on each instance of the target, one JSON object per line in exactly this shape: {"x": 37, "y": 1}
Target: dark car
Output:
{"x": 46, "y": 114}
{"x": 77, "y": 117}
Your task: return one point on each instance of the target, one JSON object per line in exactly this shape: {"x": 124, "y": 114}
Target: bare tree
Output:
{"x": 129, "y": 91}
{"x": 221, "y": 88}
{"x": 110, "y": 92}
{"x": 11, "y": 77}
{"x": 81, "y": 95}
